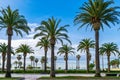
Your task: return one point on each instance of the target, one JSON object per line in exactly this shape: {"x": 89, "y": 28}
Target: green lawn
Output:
{"x": 80, "y": 78}
{"x": 16, "y": 78}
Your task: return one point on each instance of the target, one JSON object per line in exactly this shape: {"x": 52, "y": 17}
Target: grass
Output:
{"x": 15, "y": 78}
{"x": 79, "y": 78}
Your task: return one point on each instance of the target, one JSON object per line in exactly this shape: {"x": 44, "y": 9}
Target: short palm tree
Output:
{"x": 32, "y": 58}
{"x": 112, "y": 63}
{"x": 25, "y": 49}
{"x": 51, "y": 30}
{"x": 77, "y": 62}
{"x": 55, "y": 59}
{"x": 43, "y": 61}
{"x": 20, "y": 64}
{"x": 102, "y": 54}
{"x": 3, "y": 50}
{"x": 108, "y": 49}
{"x": 66, "y": 49}
{"x": 19, "y": 57}
{"x": 85, "y": 45}
{"x": 16, "y": 62}
{"x": 95, "y": 14}
{"x": 12, "y": 21}
{"x": 115, "y": 63}
{"x": 36, "y": 61}
{"x": 45, "y": 44}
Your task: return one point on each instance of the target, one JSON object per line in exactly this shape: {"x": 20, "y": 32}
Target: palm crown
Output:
{"x": 51, "y": 30}
{"x": 109, "y": 48}
{"x": 13, "y": 21}
{"x": 65, "y": 49}
{"x": 97, "y": 11}
{"x": 43, "y": 43}
{"x": 85, "y": 44}
{"x": 23, "y": 48}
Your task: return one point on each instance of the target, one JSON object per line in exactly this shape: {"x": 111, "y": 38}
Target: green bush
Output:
{"x": 29, "y": 71}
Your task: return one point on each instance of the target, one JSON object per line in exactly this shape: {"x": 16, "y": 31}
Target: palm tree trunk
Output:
{"x": 52, "y": 72}
{"x": 108, "y": 58}
{"x": 8, "y": 72}
{"x": 66, "y": 64}
{"x": 16, "y": 65}
{"x": 55, "y": 64}
{"x": 97, "y": 74}
{"x": 24, "y": 61}
{"x": 78, "y": 64}
{"x": 102, "y": 63}
{"x": 31, "y": 63}
{"x": 42, "y": 66}
{"x": 3, "y": 62}
{"x": 36, "y": 65}
{"x": 45, "y": 65}
{"x": 87, "y": 56}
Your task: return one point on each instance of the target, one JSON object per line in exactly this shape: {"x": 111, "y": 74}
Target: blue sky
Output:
{"x": 37, "y": 10}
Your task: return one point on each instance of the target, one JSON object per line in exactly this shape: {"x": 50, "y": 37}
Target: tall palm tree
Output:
{"x": 32, "y": 58}
{"x": 95, "y": 14}
{"x": 85, "y": 45}
{"x": 45, "y": 44}
{"x": 25, "y": 49}
{"x": 36, "y": 61}
{"x": 12, "y": 21}
{"x": 77, "y": 62}
{"x": 108, "y": 49}
{"x": 19, "y": 57}
{"x": 51, "y": 30}
{"x": 65, "y": 49}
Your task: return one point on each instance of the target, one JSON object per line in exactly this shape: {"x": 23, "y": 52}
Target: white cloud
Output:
{"x": 32, "y": 27}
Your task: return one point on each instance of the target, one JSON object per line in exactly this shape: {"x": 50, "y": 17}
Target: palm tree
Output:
{"x": 108, "y": 49}
{"x": 85, "y": 45}
{"x": 102, "y": 60}
{"x": 20, "y": 64}
{"x": 16, "y": 62}
{"x": 51, "y": 30}
{"x": 36, "y": 61}
{"x": 43, "y": 61}
{"x": 12, "y": 21}
{"x": 95, "y": 14}
{"x": 112, "y": 63}
{"x": 19, "y": 57}
{"x": 32, "y": 58}
{"x": 65, "y": 49}
{"x": 3, "y": 50}
{"x": 115, "y": 63}
{"x": 45, "y": 44}
{"x": 25, "y": 49}
{"x": 77, "y": 62}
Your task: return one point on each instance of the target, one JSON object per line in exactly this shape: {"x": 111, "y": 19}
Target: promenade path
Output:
{"x": 35, "y": 76}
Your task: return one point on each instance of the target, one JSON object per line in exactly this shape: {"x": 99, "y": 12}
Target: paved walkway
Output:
{"x": 35, "y": 76}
